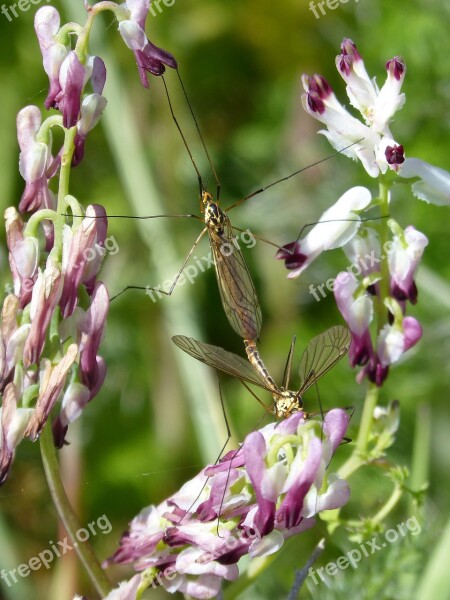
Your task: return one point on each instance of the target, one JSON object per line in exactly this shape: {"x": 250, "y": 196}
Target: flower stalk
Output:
{"x": 67, "y": 515}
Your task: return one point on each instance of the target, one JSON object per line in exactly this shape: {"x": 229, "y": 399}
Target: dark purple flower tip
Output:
{"x": 318, "y": 84}
{"x": 345, "y": 64}
{"x": 395, "y": 155}
{"x": 402, "y": 294}
{"x": 315, "y": 102}
{"x": 361, "y": 349}
{"x": 79, "y": 143}
{"x": 59, "y": 433}
{"x": 292, "y": 255}
{"x": 376, "y": 373}
{"x": 396, "y": 67}
{"x": 153, "y": 60}
{"x": 348, "y": 48}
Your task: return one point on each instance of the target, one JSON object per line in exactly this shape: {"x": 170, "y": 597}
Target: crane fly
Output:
{"x": 237, "y": 291}
{"x": 321, "y": 354}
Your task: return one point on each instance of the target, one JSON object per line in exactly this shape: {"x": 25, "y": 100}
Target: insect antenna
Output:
{"x": 186, "y": 145}
{"x": 197, "y": 126}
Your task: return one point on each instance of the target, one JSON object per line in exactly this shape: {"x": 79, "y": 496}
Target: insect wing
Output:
{"x": 322, "y": 353}
{"x": 218, "y": 358}
{"x": 235, "y": 284}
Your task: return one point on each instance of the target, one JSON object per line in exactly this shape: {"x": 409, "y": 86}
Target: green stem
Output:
{"x": 389, "y": 506}
{"x": 358, "y": 457}
{"x": 384, "y": 266}
{"x": 67, "y": 515}
{"x": 63, "y": 189}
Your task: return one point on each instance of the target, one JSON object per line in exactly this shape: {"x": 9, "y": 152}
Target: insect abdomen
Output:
{"x": 257, "y": 362}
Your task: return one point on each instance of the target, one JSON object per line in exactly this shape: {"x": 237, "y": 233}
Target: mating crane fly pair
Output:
{"x": 239, "y": 297}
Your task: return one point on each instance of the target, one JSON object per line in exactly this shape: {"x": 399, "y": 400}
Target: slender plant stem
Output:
{"x": 384, "y": 266}
{"x": 358, "y": 458}
{"x": 67, "y": 515}
{"x": 389, "y": 506}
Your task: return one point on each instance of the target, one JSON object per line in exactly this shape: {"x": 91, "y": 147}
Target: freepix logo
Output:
{"x": 191, "y": 272}
{"x": 321, "y": 6}
{"x": 11, "y": 11}
{"x": 353, "y": 557}
{"x": 46, "y": 557}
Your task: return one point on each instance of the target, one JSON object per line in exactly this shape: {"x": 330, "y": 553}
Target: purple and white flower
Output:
{"x": 149, "y": 58}
{"x": 335, "y": 228}
{"x": 257, "y": 497}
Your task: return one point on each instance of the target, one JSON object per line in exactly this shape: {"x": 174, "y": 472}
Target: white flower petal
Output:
{"x": 434, "y": 186}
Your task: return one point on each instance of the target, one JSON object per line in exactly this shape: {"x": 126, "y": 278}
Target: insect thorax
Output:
{"x": 214, "y": 216}
{"x": 286, "y": 403}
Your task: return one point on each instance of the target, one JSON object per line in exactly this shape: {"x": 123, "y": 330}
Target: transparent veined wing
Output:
{"x": 237, "y": 291}
{"x": 322, "y": 353}
{"x": 218, "y": 358}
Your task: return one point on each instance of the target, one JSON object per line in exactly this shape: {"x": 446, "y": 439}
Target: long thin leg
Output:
{"x": 258, "y": 237}
{"x": 158, "y": 290}
{"x": 263, "y": 189}
{"x": 339, "y": 221}
{"x": 222, "y": 403}
{"x": 145, "y": 217}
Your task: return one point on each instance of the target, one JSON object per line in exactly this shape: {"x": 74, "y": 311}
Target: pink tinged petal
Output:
{"x": 13, "y": 422}
{"x": 92, "y": 108}
{"x": 335, "y": 426}
{"x": 267, "y": 545}
{"x": 98, "y": 77}
{"x": 412, "y": 331}
{"x": 203, "y": 587}
{"x": 92, "y": 333}
{"x": 364, "y": 250}
{"x": 74, "y": 400}
{"x": 133, "y": 35}
{"x": 301, "y": 477}
{"x": 434, "y": 184}
{"x": 390, "y": 345}
{"x": 138, "y": 11}
{"x": 336, "y": 495}
{"x": 72, "y": 75}
{"x": 53, "y": 380}
{"x": 15, "y": 346}
{"x": 127, "y": 590}
{"x": 46, "y": 294}
{"x": 75, "y": 255}
{"x": 255, "y": 452}
{"x": 404, "y": 261}
{"x": 46, "y": 25}
{"x": 28, "y": 123}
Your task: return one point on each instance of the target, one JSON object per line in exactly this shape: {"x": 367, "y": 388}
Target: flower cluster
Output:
{"x": 387, "y": 278}
{"x": 247, "y": 504}
{"x": 49, "y": 340}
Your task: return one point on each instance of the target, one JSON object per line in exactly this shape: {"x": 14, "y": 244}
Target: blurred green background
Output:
{"x": 144, "y": 435}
